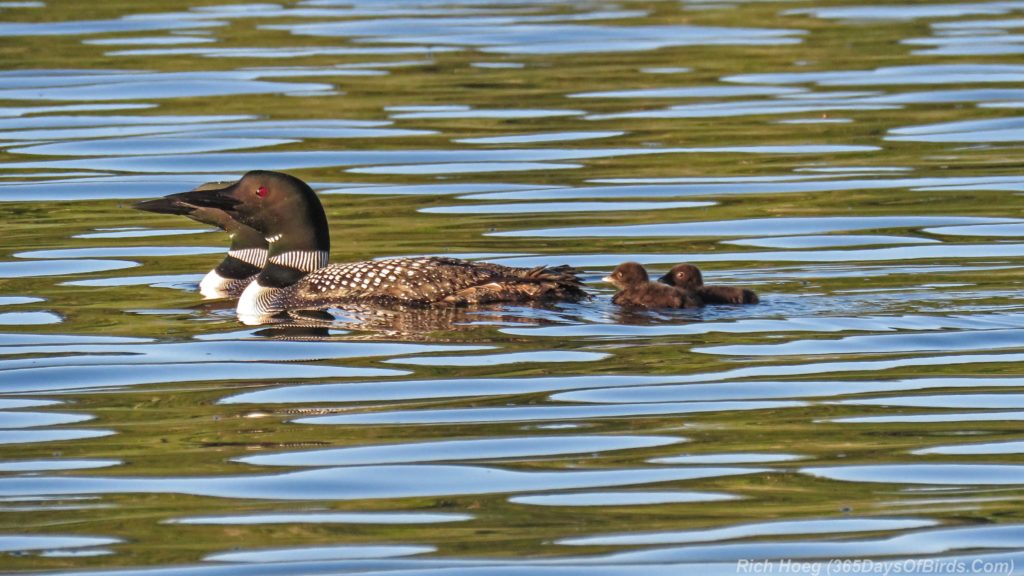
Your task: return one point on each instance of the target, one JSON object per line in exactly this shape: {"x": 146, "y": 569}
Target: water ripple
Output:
{"x": 789, "y": 527}
{"x": 319, "y": 553}
{"x": 531, "y": 35}
{"x": 390, "y": 518}
{"x": 362, "y": 482}
{"x": 759, "y": 226}
{"x": 459, "y": 450}
{"x": 889, "y": 343}
{"x": 867, "y": 409}
{"x": 631, "y": 498}
{"x": 72, "y": 377}
{"x": 933, "y": 474}
{"x": 544, "y": 413}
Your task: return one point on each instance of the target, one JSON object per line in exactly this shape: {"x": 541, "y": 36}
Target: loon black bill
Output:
{"x": 185, "y": 202}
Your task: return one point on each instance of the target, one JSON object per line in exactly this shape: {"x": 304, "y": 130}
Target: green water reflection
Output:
{"x": 508, "y": 132}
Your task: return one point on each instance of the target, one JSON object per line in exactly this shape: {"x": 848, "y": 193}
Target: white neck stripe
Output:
{"x": 305, "y": 260}
{"x": 255, "y": 256}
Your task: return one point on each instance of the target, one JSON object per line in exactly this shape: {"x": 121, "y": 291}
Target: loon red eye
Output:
{"x": 261, "y": 191}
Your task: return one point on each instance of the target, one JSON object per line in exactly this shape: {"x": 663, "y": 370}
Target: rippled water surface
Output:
{"x": 857, "y": 164}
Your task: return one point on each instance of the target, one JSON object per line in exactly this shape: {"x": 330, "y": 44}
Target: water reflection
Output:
{"x": 416, "y": 324}
{"x": 98, "y": 26}
{"x": 35, "y": 269}
{"x": 1013, "y": 447}
{"x": 631, "y": 498}
{"x": 832, "y": 525}
{"x": 869, "y": 407}
{"x": 759, "y": 226}
{"x": 40, "y": 436}
{"x": 562, "y": 207}
{"x": 397, "y": 518}
{"x": 753, "y": 390}
{"x": 21, "y": 543}
{"x": 28, "y": 318}
{"x": 481, "y": 449}
{"x": 442, "y": 388}
{"x": 625, "y": 188}
{"x": 906, "y": 12}
{"x": 539, "y": 413}
{"x": 74, "y": 377}
{"x": 938, "y": 541}
{"x": 541, "y": 137}
{"x": 324, "y": 553}
{"x": 942, "y": 474}
{"x": 48, "y": 465}
{"x": 361, "y": 482}
{"x": 730, "y": 458}
{"x": 945, "y": 342}
{"x": 128, "y": 85}
{"x": 528, "y": 34}
{"x": 970, "y": 38}
{"x": 821, "y": 241}
{"x": 922, "y": 74}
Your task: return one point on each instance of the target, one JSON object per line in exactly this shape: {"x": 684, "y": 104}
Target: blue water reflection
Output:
{"x": 855, "y": 164}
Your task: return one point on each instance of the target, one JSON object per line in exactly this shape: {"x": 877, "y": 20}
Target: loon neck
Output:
{"x": 293, "y": 254}
{"x": 245, "y": 259}
{"x": 238, "y": 267}
{"x": 247, "y": 254}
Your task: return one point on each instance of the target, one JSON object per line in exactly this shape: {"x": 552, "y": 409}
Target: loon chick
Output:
{"x": 638, "y": 291}
{"x": 246, "y": 256}
{"x": 688, "y": 277}
{"x": 288, "y": 214}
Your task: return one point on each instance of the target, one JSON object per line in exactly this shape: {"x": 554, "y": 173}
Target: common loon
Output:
{"x": 247, "y": 254}
{"x": 288, "y": 215}
{"x": 639, "y": 292}
{"x": 688, "y": 277}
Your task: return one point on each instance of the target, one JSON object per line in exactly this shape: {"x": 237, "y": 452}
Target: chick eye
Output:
{"x": 261, "y": 191}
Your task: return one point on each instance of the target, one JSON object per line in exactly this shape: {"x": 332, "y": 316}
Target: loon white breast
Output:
{"x": 288, "y": 216}
{"x": 247, "y": 254}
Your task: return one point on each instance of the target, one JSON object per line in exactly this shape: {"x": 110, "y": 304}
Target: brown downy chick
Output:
{"x": 638, "y": 291}
{"x": 688, "y": 277}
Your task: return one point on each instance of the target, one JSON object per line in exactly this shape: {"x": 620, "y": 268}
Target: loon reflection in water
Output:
{"x": 428, "y": 324}
{"x": 287, "y": 214}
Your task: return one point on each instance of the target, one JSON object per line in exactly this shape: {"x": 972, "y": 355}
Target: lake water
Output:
{"x": 858, "y": 165}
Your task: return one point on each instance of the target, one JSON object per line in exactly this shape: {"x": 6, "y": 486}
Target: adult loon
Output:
{"x": 688, "y": 277}
{"x": 247, "y": 254}
{"x": 296, "y": 276}
{"x": 637, "y": 291}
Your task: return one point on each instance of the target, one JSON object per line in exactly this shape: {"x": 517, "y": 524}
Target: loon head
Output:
{"x": 683, "y": 276}
{"x": 627, "y": 274}
{"x": 283, "y": 209}
{"x": 288, "y": 215}
{"x": 248, "y": 252}
{"x": 199, "y": 205}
